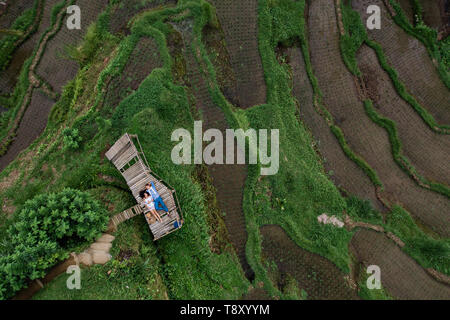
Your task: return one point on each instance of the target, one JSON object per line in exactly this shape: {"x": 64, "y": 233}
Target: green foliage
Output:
{"x": 46, "y": 228}
{"x": 354, "y": 37}
{"x": 427, "y": 251}
{"x": 20, "y": 26}
{"x": 362, "y": 210}
{"x": 71, "y": 139}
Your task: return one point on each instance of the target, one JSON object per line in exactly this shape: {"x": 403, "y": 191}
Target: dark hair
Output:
{"x": 141, "y": 193}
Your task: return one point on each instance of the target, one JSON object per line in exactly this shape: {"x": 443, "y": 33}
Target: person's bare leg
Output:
{"x": 156, "y": 214}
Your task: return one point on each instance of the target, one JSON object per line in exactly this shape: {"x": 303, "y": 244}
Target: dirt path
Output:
{"x": 239, "y": 20}
{"x": 409, "y": 57}
{"x": 365, "y": 138}
{"x": 228, "y": 180}
{"x": 319, "y": 277}
{"x": 401, "y": 276}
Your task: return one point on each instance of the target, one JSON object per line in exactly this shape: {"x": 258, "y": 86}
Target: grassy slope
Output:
{"x": 185, "y": 263}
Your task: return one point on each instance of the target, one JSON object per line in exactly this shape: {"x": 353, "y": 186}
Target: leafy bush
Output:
{"x": 46, "y": 229}
{"x": 71, "y": 139}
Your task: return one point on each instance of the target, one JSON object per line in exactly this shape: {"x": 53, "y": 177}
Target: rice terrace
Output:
{"x": 224, "y": 150}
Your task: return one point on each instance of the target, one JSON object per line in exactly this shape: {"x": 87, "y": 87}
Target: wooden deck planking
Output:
{"x": 137, "y": 175}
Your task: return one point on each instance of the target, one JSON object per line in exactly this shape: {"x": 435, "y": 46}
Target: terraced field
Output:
{"x": 409, "y": 57}
{"x": 50, "y": 64}
{"x": 12, "y": 11}
{"x": 122, "y": 13}
{"x": 344, "y": 172}
{"x": 364, "y": 136}
{"x": 239, "y": 21}
{"x": 55, "y": 67}
{"x": 320, "y": 278}
{"x": 401, "y": 276}
{"x": 428, "y": 151}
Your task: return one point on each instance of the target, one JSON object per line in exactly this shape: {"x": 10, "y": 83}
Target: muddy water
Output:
{"x": 319, "y": 277}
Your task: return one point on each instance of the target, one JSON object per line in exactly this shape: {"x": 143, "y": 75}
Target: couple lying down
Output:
{"x": 153, "y": 201}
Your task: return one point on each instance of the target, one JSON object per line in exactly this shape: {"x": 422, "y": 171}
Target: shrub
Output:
{"x": 71, "y": 139}
{"x": 46, "y": 229}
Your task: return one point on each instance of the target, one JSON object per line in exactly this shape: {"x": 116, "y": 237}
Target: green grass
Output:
{"x": 8, "y": 43}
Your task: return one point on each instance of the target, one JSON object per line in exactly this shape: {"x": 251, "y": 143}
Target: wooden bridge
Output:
{"x": 134, "y": 167}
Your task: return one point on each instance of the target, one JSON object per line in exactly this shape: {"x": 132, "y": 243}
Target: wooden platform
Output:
{"x": 131, "y": 162}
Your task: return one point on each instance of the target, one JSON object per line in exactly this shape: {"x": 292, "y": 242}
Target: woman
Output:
{"x": 148, "y": 200}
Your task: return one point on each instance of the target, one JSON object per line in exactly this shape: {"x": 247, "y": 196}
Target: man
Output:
{"x": 159, "y": 203}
